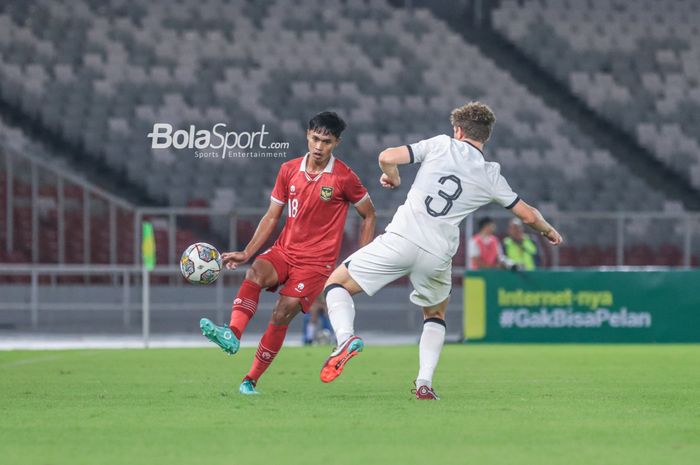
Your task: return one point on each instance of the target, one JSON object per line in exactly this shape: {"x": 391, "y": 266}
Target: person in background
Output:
{"x": 311, "y": 333}
{"x": 520, "y": 249}
{"x": 485, "y": 249}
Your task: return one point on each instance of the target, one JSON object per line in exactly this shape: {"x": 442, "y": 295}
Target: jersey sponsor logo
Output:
{"x": 326, "y": 193}
{"x": 300, "y": 287}
{"x": 292, "y": 189}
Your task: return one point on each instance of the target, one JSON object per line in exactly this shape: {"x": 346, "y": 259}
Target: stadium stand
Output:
{"x": 640, "y": 71}
{"x": 50, "y": 181}
{"x": 100, "y": 74}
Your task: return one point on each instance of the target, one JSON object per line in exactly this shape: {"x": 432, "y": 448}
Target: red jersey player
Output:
{"x": 316, "y": 189}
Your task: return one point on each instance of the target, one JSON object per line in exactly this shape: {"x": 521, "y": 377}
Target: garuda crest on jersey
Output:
{"x": 326, "y": 193}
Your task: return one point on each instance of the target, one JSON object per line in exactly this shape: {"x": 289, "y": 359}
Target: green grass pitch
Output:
{"x": 501, "y": 404}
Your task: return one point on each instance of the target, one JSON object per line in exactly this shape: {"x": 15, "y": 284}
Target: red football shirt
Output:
{"x": 316, "y": 210}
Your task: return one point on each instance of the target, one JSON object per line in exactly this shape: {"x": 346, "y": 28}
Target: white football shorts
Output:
{"x": 389, "y": 257}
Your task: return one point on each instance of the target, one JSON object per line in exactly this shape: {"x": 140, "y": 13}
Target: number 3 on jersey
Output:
{"x": 293, "y": 208}
{"x": 449, "y": 198}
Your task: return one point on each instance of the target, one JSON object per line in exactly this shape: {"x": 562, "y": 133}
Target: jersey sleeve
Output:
{"x": 353, "y": 189}
{"x": 280, "y": 191}
{"x": 421, "y": 150}
{"x": 500, "y": 190}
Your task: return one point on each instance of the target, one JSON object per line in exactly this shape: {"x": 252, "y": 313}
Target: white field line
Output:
{"x": 30, "y": 361}
{"x": 68, "y": 342}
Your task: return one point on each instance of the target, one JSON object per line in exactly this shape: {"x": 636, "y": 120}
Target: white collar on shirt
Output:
{"x": 327, "y": 169}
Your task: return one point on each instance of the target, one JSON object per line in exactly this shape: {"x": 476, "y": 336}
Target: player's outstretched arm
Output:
{"x": 265, "y": 227}
{"x": 533, "y": 218}
{"x": 389, "y": 160}
{"x": 369, "y": 221}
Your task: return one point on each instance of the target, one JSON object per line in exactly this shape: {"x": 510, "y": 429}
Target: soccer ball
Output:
{"x": 201, "y": 263}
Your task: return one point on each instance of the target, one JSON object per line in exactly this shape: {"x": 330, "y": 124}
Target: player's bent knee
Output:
{"x": 252, "y": 275}
{"x": 339, "y": 276}
{"x": 436, "y": 311}
{"x": 279, "y": 318}
{"x": 330, "y": 286}
{"x": 342, "y": 278}
{"x": 285, "y": 311}
{"x": 257, "y": 275}
{"x": 434, "y": 315}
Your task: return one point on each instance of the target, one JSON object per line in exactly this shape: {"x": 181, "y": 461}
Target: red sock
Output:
{"x": 270, "y": 344}
{"x": 244, "y": 306}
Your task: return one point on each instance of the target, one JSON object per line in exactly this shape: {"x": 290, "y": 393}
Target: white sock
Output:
{"x": 429, "y": 349}
{"x": 341, "y": 312}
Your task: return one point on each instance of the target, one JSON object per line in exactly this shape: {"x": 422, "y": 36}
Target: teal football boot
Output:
{"x": 222, "y": 336}
{"x": 247, "y": 387}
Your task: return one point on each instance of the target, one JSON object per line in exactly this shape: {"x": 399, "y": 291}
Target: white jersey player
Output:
{"x": 453, "y": 181}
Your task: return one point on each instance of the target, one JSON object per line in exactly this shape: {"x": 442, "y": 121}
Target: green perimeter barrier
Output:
{"x": 582, "y": 306}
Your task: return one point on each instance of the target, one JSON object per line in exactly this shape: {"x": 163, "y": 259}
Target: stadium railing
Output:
{"x": 136, "y": 303}
{"x": 623, "y": 231}
{"x": 69, "y": 207}
{"x": 49, "y": 215}
{"x": 123, "y": 277}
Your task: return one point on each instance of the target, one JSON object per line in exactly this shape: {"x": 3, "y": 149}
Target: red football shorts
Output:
{"x": 306, "y": 283}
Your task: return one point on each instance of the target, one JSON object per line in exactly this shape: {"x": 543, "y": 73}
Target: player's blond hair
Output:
{"x": 475, "y": 119}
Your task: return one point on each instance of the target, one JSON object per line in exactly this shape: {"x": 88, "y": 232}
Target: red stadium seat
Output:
{"x": 668, "y": 255}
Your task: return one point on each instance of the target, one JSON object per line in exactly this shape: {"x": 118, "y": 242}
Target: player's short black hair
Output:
{"x": 484, "y": 221}
{"x": 328, "y": 122}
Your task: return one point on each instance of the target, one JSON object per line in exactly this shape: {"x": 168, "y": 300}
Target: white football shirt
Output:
{"x": 453, "y": 181}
